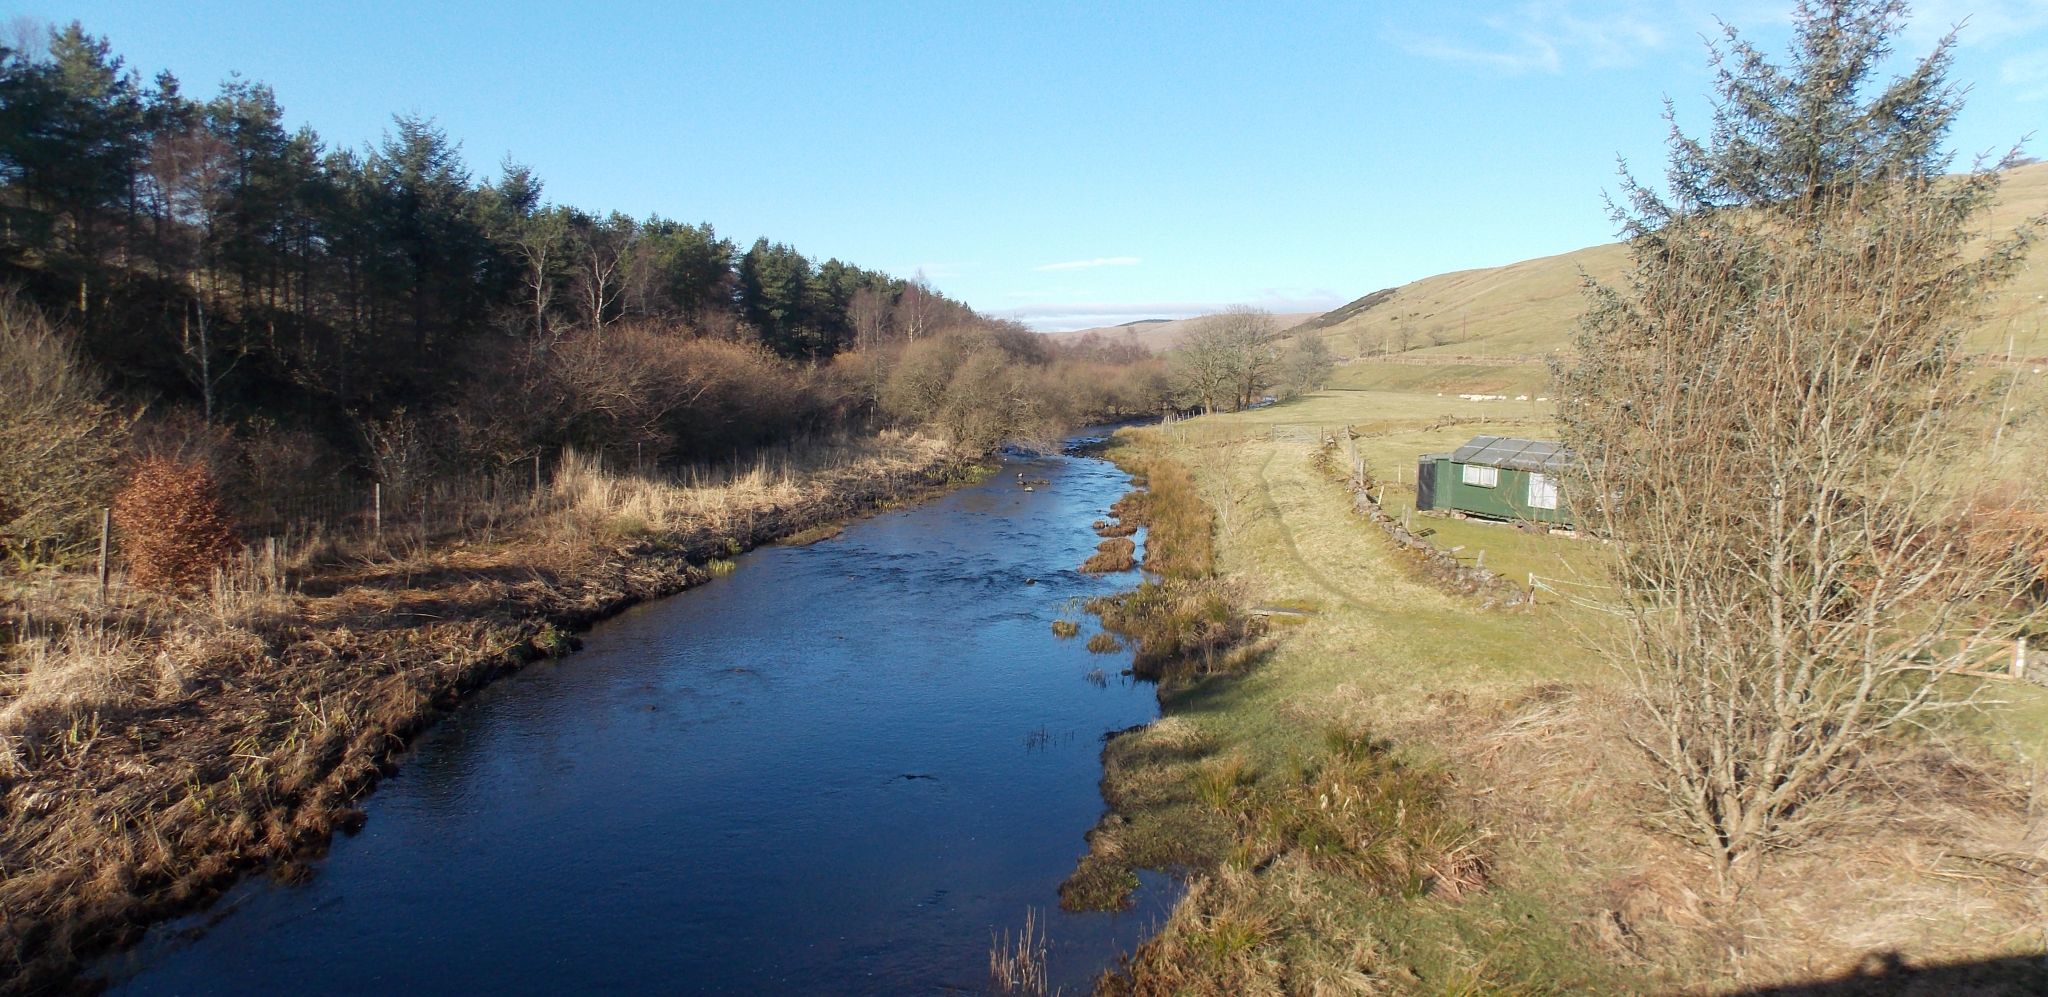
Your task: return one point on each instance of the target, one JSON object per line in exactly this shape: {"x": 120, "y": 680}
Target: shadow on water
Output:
{"x": 844, "y": 768}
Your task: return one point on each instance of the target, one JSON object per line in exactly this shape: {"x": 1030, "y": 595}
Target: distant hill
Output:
{"x": 1527, "y": 309}
{"x": 1158, "y": 334}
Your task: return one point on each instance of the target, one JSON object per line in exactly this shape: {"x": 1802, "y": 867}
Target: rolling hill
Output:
{"x": 1526, "y": 310}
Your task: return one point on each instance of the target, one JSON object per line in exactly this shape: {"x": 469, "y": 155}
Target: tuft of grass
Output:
{"x": 1112, "y": 555}
{"x": 720, "y": 567}
{"x": 1064, "y": 629}
{"x": 1181, "y": 628}
{"x": 1016, "y": 964}
{"x": 1217, "y": 782}
{"x": 1103, "y": 643}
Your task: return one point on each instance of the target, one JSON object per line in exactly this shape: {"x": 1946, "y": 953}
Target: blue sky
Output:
{"x": 1067, "y": 164}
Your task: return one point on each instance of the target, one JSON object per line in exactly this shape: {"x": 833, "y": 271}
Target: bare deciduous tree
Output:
{"x": 1775, "y": 429}
{"x": 915, "y": 307}
{"x": 59, "y": 442}
{"x": 541, "y": 244}
{"x": 604, "y": 252}
{"x": 868, "y": 312}
{"x": 1227, "y": 359}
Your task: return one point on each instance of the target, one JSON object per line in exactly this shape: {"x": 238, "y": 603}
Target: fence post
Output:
{"x": 106, "y": 530}
{"x": 377, "y": 510}
{"x": 1532, "y": 588}
{"x": 536, "y": 477}
{"x": 270, "y": 557}
{"x": 1481, "y": 562}
{"x": 2019, "y": 657}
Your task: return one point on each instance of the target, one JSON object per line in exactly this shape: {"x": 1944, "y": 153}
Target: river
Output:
{"x": 838, "y": 770}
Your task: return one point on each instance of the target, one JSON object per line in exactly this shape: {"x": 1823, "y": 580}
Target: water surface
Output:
{"x": 837, "y": 770}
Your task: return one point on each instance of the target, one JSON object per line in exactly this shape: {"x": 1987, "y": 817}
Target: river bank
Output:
{"x": 1413, "y": 788}
{"x": 156, "y": 751}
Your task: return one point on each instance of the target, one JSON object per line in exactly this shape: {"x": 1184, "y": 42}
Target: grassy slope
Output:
{"x": 1526, "y": 309}
{"x": 1518, "y": 711}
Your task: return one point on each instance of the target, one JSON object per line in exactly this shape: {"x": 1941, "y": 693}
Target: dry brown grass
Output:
{"x": 1112, "y": 555}
{"x": 154, "y": 748}
{"x": 1942, "y": 860}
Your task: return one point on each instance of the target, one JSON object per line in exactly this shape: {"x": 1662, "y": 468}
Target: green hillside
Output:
{"x": 1526, "y": 310}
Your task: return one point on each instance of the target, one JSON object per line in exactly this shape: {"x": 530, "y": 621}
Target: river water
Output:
{"x": 837, "y": 770}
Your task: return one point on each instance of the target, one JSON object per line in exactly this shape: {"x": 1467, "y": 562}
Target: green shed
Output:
{"x": 1496, "y": 477}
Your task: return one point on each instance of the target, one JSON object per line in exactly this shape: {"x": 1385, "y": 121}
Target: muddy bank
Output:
{"x": 217, "y": 743}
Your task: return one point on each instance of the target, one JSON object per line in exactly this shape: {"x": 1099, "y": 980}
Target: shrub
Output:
{"x": 171, "y": 524}
{"x": 58, "y": 442}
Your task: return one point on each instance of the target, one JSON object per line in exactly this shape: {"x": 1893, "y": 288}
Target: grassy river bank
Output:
{"x": 1403, "y": 787}
{"x": 153, "y": 750}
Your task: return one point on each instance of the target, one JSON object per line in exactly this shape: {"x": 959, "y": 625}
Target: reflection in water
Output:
{"x": 839, "y": 770}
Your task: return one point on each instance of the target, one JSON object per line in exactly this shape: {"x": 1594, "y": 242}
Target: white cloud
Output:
{"x": 1100, "y": 261}
{"x": 1546, "y": 37}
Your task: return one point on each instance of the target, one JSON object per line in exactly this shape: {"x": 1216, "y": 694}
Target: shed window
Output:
{"x": 1484, "y": 477}
{"x": 1542, "y": 491}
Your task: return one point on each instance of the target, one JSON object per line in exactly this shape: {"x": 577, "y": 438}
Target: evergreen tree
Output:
{"x": 1769, "y": 419}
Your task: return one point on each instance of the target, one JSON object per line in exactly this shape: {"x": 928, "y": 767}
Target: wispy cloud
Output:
{"x": 1100, "y": 261}
{"x": 1544, "y": 37}
{"x": 2027, "y": 75}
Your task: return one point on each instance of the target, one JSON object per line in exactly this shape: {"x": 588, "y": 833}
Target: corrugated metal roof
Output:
{"x": 1547, "y": 456}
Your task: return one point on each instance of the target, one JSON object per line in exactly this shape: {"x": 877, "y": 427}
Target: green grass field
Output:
{"x": 1512, "y": 704}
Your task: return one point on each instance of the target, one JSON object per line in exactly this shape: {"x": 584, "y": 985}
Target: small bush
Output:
{"x": 1103, "y": 643}
{"x": 1064, "y": 629}
{"x": 59, "y": 442}
{"x": 171, "y": 524}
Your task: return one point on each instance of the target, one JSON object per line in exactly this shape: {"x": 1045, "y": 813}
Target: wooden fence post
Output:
{"x": 2019, "y": 657}
{"x": 1532, "y": 588}
{"x": 377, "y": 510}
{"x": 106, "y": 530}
{"x": 536, "y": 477}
